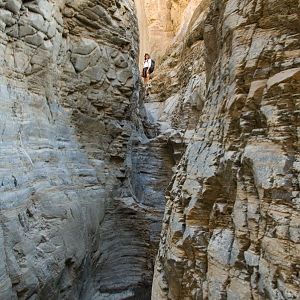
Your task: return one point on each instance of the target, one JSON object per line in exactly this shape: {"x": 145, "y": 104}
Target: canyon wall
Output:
{"x": 231, "y": 227}
{"x": 160, "y": 21}
{"x": 87, "y": 159}
{"x": 71, "y": 154}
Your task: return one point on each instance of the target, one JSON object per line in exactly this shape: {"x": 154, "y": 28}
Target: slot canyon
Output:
{"x": 186, "y": 190}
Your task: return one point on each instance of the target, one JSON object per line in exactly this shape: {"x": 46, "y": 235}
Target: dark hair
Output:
{"x": 146, "y": 55}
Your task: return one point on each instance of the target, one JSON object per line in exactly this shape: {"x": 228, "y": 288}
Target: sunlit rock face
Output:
{"x": 160, "y": 21}
{"x": 179, "y": 84}
{"x": 231, "y": 226}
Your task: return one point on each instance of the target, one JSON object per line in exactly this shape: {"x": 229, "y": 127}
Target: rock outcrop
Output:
{"x": 87, "y": 159}
{"x": 71, "y": 148}
{"x": 160, "y": 21}
{"x": 231, "y": 227}
{"x": 177, "y": 93}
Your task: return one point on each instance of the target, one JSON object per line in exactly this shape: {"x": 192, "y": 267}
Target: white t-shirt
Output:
{"x": 147, "y": 63}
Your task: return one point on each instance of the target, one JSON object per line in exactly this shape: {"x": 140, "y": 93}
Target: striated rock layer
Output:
{"x": 231, "y": 228}
{"x": 177, "y": 93}
{"x": 84, "y": 170}
{"x": 75, "y": 223}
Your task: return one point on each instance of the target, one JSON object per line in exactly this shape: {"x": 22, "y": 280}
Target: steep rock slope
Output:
{"x": 177, "y": 89}
{"x": 69, "y": 115}
{"x": 231, "y": 227}
{"x": 160, "y": 21}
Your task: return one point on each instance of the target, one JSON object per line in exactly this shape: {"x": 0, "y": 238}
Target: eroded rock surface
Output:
{"x": 177, "y": 90}
{"x": 71, "y": 227}
{"x": 160, "y": 21}
{"x": 231, "y": 227}
{"x": 84, "y": 164}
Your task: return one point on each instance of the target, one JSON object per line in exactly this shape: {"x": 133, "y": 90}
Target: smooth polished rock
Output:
{"x": 65, "y": 148}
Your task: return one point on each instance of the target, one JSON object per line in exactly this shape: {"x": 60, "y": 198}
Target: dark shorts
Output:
{"x": 145, "y": 72}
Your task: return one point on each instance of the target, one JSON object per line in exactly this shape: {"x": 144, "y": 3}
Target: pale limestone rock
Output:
{"x": 42, "y": 7}
{"x": 287, "y": 75}
{"x": 26, "y": 30}
{"x": 36, "y": 39}
{"x": 84, "y": 46}
{"x": 6, "y": 17}
{"x": 35, "y": 20}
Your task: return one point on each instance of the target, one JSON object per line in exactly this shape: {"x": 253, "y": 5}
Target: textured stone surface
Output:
{"x": 160, "y": 21}
{"x": 85, "y": 165}
{"x": 231, "y": 225}
{"x": 72, "y": 226}
{"x": 178, "y": 87}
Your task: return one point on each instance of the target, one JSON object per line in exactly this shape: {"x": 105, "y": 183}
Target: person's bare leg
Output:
{"x": 147, "y": 83}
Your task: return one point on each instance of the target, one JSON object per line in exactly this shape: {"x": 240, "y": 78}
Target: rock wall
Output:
{"x": 177, "y": 93}
{"x": 159, "y": 22}
{"x": 231, "y": 226}
{"x": 85, "y": 165}
{"x": 69, "y": 116}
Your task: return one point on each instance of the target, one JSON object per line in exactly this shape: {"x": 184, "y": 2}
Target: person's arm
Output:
{"x": 149, "y": 65}
{"x": 143, "y": 68}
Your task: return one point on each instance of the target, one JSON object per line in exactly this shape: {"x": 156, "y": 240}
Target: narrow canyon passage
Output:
{"x": 191, "y": 192}
{"x": 83, "y": 170}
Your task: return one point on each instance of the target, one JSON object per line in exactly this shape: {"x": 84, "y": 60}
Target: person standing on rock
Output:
{"x": 148, "y": 68}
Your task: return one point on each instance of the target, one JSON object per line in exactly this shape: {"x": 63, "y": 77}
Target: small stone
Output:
{"x": 26, "y": 30}
{"x": 35, "y": 39}
{"x": 14, "y": 6}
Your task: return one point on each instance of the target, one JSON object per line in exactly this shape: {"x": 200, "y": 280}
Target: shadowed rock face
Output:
{"x": 231, "y": 225}
{"x": 71, "y": 225}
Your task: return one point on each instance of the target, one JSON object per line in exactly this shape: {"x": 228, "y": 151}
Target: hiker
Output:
{"x": 148, "y": 68}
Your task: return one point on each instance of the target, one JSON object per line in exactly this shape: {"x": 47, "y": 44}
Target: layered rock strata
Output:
{"x": 71, "y": 227}
{"x": 84, "y": 172}
{"x": 231, "y": 227}
{"x": 178, "y": 87}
